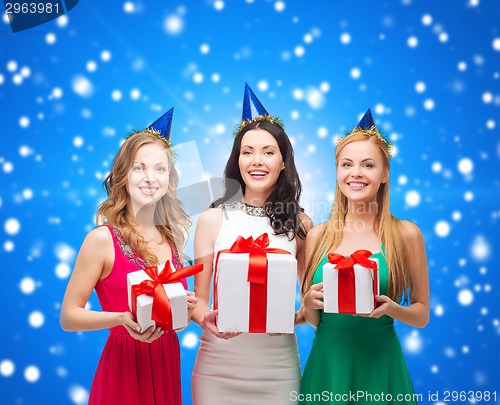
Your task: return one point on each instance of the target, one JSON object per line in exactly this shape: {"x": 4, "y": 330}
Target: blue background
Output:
{"x": 71, "y": 89}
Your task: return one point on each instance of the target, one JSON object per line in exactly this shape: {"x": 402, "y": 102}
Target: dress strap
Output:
{"x": 176, "y": 262}
{"x": 125, "y": 248}
{"x": 131, "y": 254}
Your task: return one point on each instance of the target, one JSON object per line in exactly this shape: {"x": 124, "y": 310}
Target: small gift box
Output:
{"x": 254, "y": 287}
{"x": 158, "y": 298}
{"x": 350, "y": 284}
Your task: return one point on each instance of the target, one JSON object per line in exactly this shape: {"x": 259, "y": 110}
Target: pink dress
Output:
{"x": 129, "y": 371}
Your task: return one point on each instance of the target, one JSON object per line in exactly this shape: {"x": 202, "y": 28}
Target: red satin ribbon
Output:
{"x": 347, "y": 279}
{"x": 257, "y": 277}
{"x": 161, "y": 312}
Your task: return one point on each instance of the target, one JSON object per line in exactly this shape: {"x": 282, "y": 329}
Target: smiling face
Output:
{"x": 361, "y": 171}
{"x": 148, "y": 178}
{"x": 260, "y": 163}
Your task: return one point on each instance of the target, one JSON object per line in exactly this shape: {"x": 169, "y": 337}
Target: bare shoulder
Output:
{"x": 207, "y": 229}
{"x": 315, "y": 231}
{"x": 306, "y": 221}
{"x": 98, "y": 240}
{"x": 100, "y": 236}
{"x": 410, "y": 232}
{"x": 208, "y": 226}
{"x": 98, "y": 249}
{"x": 210, "y": 218}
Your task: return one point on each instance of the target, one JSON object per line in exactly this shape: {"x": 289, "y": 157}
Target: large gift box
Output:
{"x": 156, "y": 297}
{"x": 254, "y": 287}
{"x": 350, "y": 284}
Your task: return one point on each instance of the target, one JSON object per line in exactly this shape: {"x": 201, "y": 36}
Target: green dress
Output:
{"x": 355, "y": 359}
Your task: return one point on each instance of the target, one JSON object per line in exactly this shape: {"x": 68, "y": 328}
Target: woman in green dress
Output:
{"x": 358, "y": 359}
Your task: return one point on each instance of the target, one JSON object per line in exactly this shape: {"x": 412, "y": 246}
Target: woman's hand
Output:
{"x": 312, "y": 299}
{"x": 385, "y": 306}
{"x": 208, "y": 323}
{"x": 299, "y": 316}
{"x": 133, "y": 328}
{"x": 191, "y": 302}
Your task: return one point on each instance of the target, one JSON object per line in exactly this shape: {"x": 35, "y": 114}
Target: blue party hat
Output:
{"x": 367, "y": 125}
{"x": 252, "y": 107}
{"x": 367, "y": 121}
{"x": 163, "y": 125}
{"x": 254, "y": 111}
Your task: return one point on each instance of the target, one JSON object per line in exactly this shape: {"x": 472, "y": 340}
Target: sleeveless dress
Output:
{"x": 131, "y": 372}
{"x": 252, "y": 368}
{"x": 355, "y": 359}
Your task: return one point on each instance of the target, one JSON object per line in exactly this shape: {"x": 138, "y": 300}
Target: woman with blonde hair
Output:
{"x": 143, "y": 224}
{"x": 359, "y": 358}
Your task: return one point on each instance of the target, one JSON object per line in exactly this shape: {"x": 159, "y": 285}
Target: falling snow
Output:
{"x": 430, "y": 80}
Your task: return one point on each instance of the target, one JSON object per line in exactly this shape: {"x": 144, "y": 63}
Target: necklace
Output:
{"x": 252, "y": 210}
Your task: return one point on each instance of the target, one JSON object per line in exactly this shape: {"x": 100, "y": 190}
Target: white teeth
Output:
{"x": 357, "y": 185}
{"x": 148, "y": 190}
{"x": 258, "y": 173}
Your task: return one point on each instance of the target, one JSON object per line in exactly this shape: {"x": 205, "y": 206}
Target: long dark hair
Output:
{"x": 282, "y": 206}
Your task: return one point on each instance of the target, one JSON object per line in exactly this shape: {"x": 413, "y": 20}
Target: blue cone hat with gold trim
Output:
{"x": 367, "y": 121}
{"x": 252, "y": 107}
{"x": 367, "y": 125}
{"x": 161, "y": 128}
{"x": 163, "y": 125}
{"x": 254, "y": 111}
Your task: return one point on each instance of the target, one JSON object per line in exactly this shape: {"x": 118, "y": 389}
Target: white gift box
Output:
{"x": 175, "y": 292}
{"x": 364, "y": 288}
{"x": 233, "y": 292}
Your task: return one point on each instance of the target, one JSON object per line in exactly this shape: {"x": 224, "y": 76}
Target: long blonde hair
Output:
{"x": 169, "y": 216}
{"x": 388, "y": 227}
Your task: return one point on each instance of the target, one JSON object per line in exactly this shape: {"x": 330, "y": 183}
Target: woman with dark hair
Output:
{"x": 262, "y": 196}
{"x": 142, "y": 224}
{"x": 282, "y": 205}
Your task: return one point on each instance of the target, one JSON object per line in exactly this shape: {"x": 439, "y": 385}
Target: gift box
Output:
{"x": 156, "y": 297}
{"x": 350, "y": 284}
{"x": 254, "y": 288}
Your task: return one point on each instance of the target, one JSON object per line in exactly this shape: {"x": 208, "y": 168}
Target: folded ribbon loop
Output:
{"x": 257, "y": 268}
{"x": 162, "y": 312}
{"x": 347, "y": 263}
{"x": 347, "y": 278}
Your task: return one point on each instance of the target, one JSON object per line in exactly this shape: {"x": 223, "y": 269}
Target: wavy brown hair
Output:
{"x": 169, "y": 216}
{"x": 388, "y": 227}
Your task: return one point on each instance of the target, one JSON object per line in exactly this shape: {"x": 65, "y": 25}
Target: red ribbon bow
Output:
{"x": 345, "y": 266}
{"x": 257, "y": 277}
{"x": 161, "y": 312}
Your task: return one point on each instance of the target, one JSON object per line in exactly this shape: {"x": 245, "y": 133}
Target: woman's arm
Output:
{"x": 417, "y": 313}
{"x": 95, "y": 259}
{"x": 311, "y": 302}
{"x": 96, "y": 256}
{"x": 207, "y": 229}
{"x": 301, "y": 261}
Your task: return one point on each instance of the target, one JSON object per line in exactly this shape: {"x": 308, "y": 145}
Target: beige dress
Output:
{"x": 252, "y": 368}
